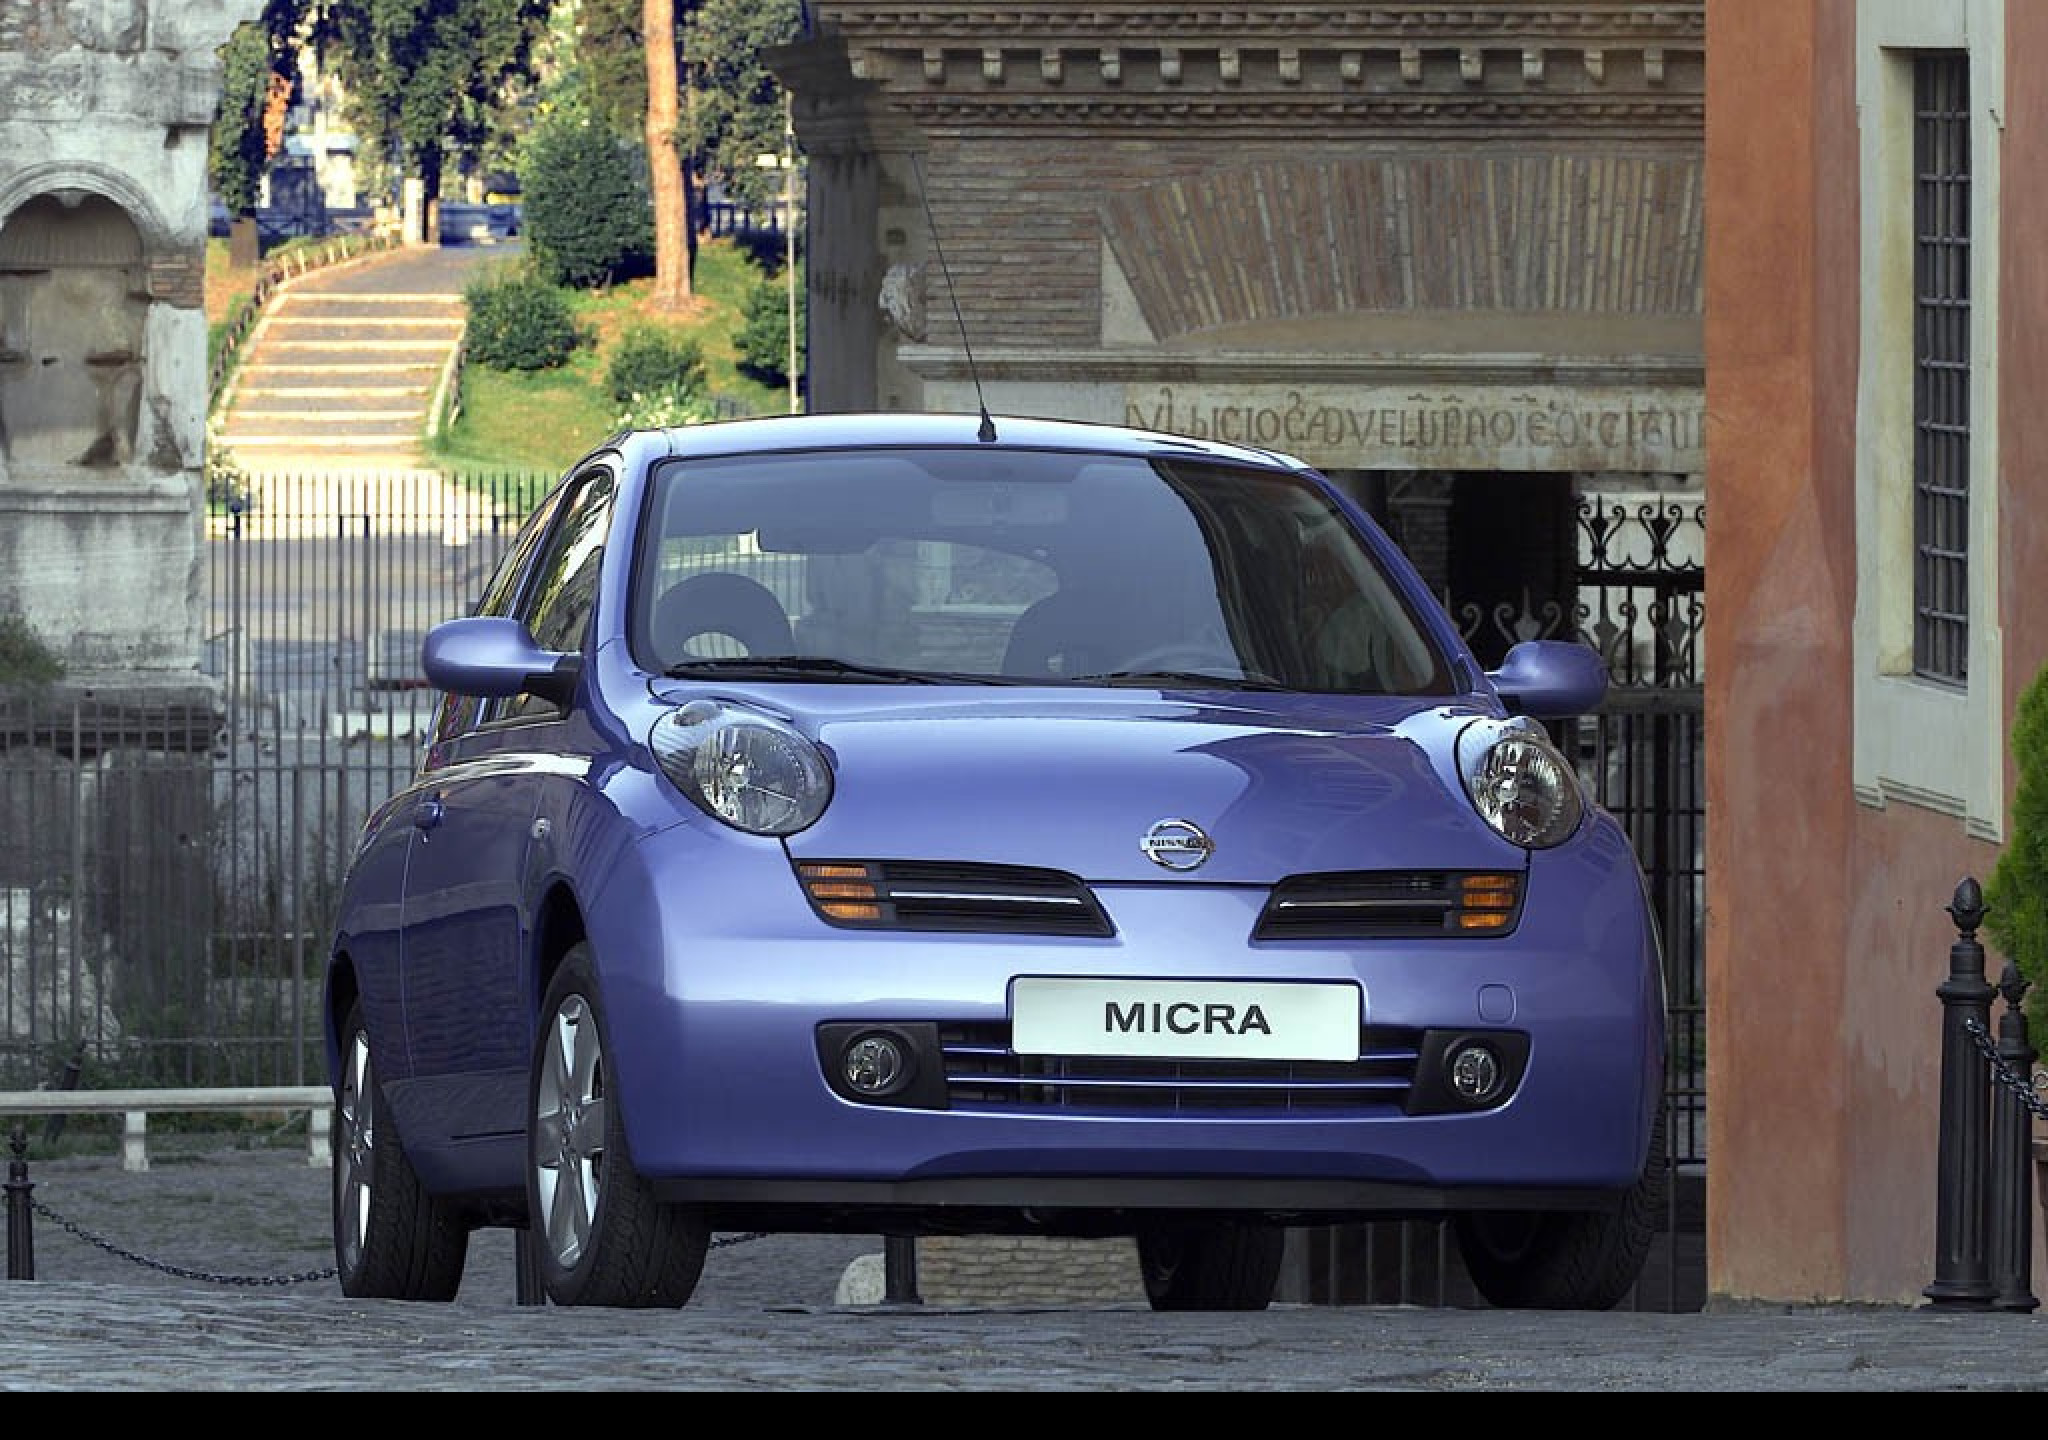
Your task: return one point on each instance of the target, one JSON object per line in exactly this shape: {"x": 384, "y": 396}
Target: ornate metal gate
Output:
{"x": 1640, "y": 601}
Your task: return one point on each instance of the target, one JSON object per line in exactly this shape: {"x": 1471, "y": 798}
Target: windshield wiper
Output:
{"x": 821, "y": 667}
{"x": 1184, "y": 678}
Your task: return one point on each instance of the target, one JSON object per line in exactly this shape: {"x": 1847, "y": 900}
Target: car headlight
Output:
{"x": 1519, "y": 782}
{"x": 750, "y": 770}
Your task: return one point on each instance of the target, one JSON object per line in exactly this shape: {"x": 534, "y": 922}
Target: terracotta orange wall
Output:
{"x": 1780, "y": 602}
{"x": 2023, "y": 345}
{"x": 1827, "y": 933}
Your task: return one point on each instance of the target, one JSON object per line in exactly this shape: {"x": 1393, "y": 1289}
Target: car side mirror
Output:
{"x": 1551, "y": 679}
{"x": 495, "y": 657}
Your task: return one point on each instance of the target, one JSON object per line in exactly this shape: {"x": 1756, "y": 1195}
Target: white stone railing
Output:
{"x": 136, "y": 1106}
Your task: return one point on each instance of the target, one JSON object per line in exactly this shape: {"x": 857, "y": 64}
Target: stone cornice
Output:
{"x": 1601, "y": 23}
{"x": 1237, "y": 68}
{"x": 1433, "y": 48}
{"x": 1387, "y": 118}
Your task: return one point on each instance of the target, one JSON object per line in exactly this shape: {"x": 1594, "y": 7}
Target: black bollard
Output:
{"x": 2012, "y": 1164}
{"x": 21, "y": 1235}
{"x": 899, "y": 1271}
{"x": 1962, "y": 1266}
{"x": 526, "y": 1267}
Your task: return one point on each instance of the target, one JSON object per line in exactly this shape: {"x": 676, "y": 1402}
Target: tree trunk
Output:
{"x": 245, "y": 244}
{"x": 664, "y": 160}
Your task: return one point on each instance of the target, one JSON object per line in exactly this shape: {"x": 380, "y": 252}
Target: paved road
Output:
{"x": 254, "y": 1309}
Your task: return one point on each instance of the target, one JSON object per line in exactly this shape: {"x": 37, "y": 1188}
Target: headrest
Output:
{"x": 718, "y": 603}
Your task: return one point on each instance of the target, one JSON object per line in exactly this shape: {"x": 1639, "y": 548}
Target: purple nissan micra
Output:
{"x": 912, "y": 824}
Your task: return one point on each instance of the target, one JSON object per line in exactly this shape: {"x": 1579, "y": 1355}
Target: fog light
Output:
{"x": 875, "y": 1065}
{"x": 1474, "y": 1072}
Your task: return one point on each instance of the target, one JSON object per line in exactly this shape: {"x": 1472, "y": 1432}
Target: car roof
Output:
{"x": 923, "y": 428}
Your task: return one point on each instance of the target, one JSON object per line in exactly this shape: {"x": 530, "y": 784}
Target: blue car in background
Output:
{"x": 948, "y": 824}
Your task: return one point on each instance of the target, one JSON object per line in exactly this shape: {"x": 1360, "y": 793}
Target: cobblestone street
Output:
{"x": 248, "y": 1303}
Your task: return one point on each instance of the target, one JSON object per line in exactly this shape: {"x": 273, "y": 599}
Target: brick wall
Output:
{"x": 1027, "y": 1270}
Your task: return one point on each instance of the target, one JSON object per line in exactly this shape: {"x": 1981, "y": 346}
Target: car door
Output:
{"x": 467, "y": 910}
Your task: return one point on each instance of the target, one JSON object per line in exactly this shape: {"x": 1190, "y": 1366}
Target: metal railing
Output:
{"x": 1984, "y": 1222}
{"x": 136, "y": 1106}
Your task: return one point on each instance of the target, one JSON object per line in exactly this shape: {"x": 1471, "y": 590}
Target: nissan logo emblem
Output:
{"x": 1177, "y": 845}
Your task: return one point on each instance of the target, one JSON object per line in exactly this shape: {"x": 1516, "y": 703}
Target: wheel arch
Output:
{"x": 343, "y": 990}
{"x": 558, "y": 927}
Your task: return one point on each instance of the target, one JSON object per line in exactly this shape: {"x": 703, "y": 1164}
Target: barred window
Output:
{"x": 1941, "y": 361}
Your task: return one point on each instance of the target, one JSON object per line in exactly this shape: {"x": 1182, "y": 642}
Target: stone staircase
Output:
{"x": 341, "y": 375}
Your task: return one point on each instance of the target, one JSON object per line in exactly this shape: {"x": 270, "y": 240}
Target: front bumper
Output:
{"x": 718, "y": 979}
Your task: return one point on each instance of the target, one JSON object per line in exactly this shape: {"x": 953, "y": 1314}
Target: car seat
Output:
{"x": 1057, "y": 637}
{"x": 716, "y": 615}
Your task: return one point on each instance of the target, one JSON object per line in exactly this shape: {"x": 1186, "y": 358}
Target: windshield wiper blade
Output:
{"x": 822, "y": 667}
{"x": 1195, "y": 678}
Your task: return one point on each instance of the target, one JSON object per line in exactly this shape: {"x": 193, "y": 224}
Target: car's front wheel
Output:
{"x": 1210, "y": 1265}
{"x": 392, "y": 1239}
{"x": 1567, "y": 1260}
{"x": 603, "y": 1237}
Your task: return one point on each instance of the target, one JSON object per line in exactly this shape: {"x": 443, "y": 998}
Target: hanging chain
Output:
{"x": 302, "y": 1277}
{"x": 2026, "y": 1087}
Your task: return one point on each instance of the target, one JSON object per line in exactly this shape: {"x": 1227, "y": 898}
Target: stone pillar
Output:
{"x": 105, "y": 109}
{"x": 105, "y": 112}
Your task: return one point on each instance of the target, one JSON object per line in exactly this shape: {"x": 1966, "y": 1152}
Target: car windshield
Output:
{"x": 1043, "y": 567}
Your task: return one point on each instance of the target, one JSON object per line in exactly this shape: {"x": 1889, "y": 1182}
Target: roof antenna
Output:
{"x": 987, "y": 433}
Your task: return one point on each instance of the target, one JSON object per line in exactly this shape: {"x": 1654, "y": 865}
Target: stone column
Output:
{"x": 105, "y": 111}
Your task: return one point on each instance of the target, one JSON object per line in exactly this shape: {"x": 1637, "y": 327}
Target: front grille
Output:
{"x": 927, "y": 895}
{"x": 1392, "y": 905}
{"x": 983, "y": 1073}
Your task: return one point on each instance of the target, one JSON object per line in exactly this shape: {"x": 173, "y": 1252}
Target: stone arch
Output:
{"x": 74, "y": 310}
{"x": 71, "y": 179}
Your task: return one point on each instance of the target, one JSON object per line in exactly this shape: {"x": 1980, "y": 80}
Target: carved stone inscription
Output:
{"x": 1402, "y": 428}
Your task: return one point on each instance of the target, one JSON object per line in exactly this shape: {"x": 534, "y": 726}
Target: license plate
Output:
{"x": 1184, "y": 1019}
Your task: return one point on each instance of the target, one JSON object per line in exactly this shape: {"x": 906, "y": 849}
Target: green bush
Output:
{"x": 586, "y": 211}
{"x": 24, "y": 658}
{"x": 651, "y": 360}
{"x": 2016, "y": 919}
{"x": 518, "y": 321}
{"x": 662, "y": 409}
{"x": 763, "y": 342}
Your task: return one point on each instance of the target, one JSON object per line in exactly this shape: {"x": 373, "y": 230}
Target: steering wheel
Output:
{"x": 1203, "y": 656}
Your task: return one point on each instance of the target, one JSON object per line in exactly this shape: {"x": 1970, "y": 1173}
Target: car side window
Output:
{"x": 501, "y": 592}
{"x": 559, "y": 591}
{"x": 459, "y": 714}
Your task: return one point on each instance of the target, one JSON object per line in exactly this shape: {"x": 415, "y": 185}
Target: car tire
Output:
{"x": 1211, "y": 1265}
{"x": 392, "y": 1239}
{"x": 601, "y": 1236}
{"x": 1568, "y": 1260}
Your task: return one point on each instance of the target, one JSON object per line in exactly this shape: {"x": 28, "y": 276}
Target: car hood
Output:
{"x": 1075, "y": 781}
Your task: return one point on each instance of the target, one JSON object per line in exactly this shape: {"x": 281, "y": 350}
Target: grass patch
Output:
{"x": 228, "y": 287}
{"x": 545, "y": 420}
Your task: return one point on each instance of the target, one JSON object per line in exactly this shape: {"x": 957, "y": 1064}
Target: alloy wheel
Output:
{"x": 569, "y": 1130}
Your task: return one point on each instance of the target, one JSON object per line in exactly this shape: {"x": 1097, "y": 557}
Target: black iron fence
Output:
{"x": 1640, "y": 601}
{"x": 165, "y": 882}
